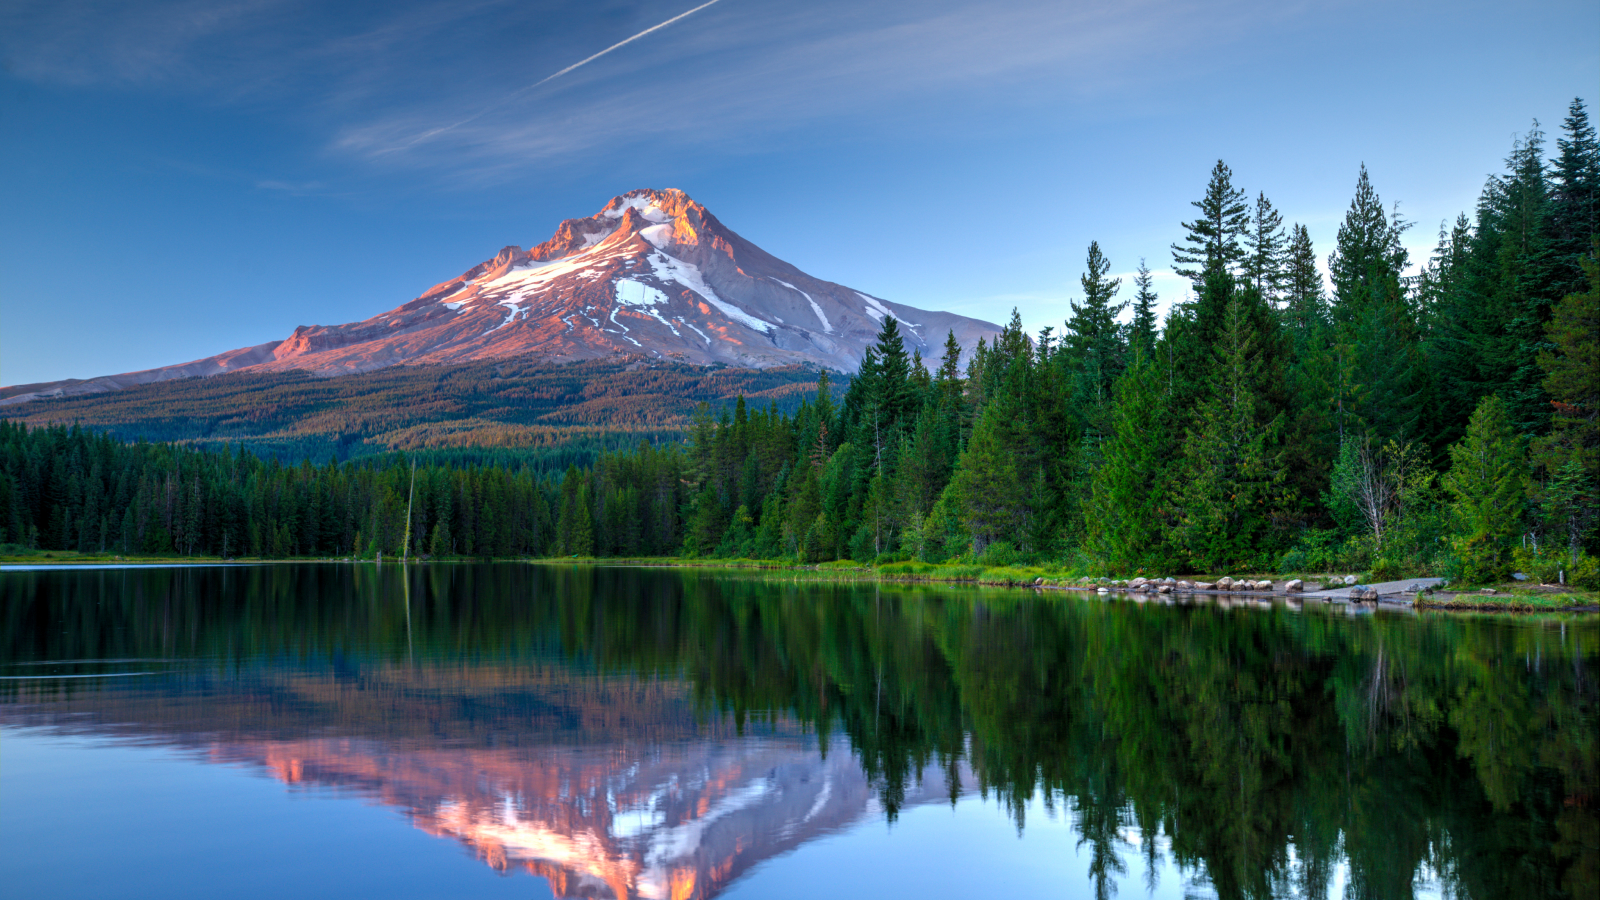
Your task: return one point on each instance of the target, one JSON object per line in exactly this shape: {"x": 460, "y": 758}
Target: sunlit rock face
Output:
{"x": 653, "y": 274}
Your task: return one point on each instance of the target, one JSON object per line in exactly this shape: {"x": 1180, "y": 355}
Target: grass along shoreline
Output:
{"x": 1507, "y": 597}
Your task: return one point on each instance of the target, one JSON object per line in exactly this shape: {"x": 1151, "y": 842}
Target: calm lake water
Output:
{"x": 521, "y": 731}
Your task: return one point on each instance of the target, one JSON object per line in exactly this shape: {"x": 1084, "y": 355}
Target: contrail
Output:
{"x": 549, "y": 78}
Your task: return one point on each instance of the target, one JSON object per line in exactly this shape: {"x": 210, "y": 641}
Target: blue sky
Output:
{"x": 182, "y": 178}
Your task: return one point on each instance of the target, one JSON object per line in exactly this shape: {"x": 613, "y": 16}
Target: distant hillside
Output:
{"x": 558, "y": 413}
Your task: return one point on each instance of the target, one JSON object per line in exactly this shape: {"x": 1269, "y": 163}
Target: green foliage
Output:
{"x": 1488, "y": 483}
{"x": 1214, "y": 238}
{"x": 1125, "y": 521}
{"x": 1265, "y": 420}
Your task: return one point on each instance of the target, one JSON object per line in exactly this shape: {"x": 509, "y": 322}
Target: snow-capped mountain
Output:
{"x": 653, "y": 274}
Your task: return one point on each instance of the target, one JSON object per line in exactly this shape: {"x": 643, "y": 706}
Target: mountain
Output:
{"x": 653, "y": 274}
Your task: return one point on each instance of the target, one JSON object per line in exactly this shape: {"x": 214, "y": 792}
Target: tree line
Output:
{"x": 1441, "y": 421}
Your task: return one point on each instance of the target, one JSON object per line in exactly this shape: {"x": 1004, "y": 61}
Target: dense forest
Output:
{"x": 1442, "y": 421}
{"x": 548, "y": 414}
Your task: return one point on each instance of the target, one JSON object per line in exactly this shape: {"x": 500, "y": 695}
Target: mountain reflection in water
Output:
{"x": 655, "y": 734}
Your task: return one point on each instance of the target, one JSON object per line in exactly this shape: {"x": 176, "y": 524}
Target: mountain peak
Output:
{"x": 652, "y": 274}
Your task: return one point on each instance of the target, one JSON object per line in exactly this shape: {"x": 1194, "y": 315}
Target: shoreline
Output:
{"x": 1038, "y": 579}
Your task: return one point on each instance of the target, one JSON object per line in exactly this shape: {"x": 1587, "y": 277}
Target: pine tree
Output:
{"x": 1228, "y": 488}
{"x": 1214, "y": 238}
{"x": 1375, "y": 328}
{"x": 1575, "y": 199}
{"x": 1142, "y": 330}
{"x": 1264, "y": 263}
{"x": 1305, "y": 307}
{"x": 1094, "y": 337}
{"x": 1128, "y": 492}
{"x": 1569, "y": 457}
{"x": 1488, "y": 480}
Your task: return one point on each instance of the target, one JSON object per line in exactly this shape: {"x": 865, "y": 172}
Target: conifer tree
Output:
{"x": 1094, "y": 337}
{"x": 1488, "y": 481}
{"x": 1575, "y": 199}
{"x": 1142, "y": 330}
{"x": 1569, "y": 457}
{"x": 1228, "y": 490}
{"x": 1375, "y": 327}
{"x": 1305, "y": 307}
{"x": 1124, "y": 521}
{"x": 1214, "y": 238}
{"x": 1264, "y": 262}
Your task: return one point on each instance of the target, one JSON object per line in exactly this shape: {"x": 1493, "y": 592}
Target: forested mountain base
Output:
{"x": 550, "y": 414}
{"x": 1441, "y": 423}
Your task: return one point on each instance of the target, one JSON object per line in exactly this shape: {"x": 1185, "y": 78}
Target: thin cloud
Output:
{"x": 549, "y": 78}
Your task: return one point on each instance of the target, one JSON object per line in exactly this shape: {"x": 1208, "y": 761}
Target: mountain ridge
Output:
{"x": 653, "y": 274}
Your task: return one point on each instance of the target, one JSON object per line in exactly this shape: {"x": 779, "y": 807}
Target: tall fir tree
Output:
{"x": 1227, "y": 491}
{"x": 1568, "y": 458}
{"x": 1488, "y": 484}
{"x": 1144, "y": 328}
{"x": 1575, "y": 199}
{"x": 1214, "y": 238}
{"x": 1380, "y": 374}
{"x": 1124, "y": 523}
{"x": 1305, "y": 304}
{"x": 1094, "y": 339}
{"x": 1267, "y": 249}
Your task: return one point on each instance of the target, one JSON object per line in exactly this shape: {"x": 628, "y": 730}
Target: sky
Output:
{"x": 179, "y": 178}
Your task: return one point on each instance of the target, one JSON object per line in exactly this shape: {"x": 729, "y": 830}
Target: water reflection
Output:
{"x": 630, "y": 733}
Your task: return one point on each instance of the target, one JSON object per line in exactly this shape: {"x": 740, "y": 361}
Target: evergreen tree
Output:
{"x": 1575, "y": 199}
{"x": 1214, "y": 238}
{"x": 1380, "y": 376}
{"x": 1142, "y": 330}
{"x": 1124, "y": 522}
{"x": 1569, "y": 457}
{"x": 1094, "y": 337}
{"x": 1488, "y": 481}
{"x": 1228, "y": 490}
{"x": 1267, "y": 248}
{"x": 1305, "y": 307}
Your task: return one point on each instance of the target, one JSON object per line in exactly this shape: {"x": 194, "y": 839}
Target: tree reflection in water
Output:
{"x": 648, "y": 733}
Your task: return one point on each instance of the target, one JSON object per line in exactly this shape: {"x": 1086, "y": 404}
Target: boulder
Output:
{"x": 1349, "y": 579}
{"x": 1361, "y": 594}
{"x": 1101, "y": 590}
{"x": 1164, "y": 589}
{"x": 1294, "y": 586}
{"x": 1224, "y": 583}
{"x": 1169, "y": 580}
{"x": 1185, "y": 585}
{"x": 1137, "y": 582}
{"x": 1263, "y": 585}
{"x": 1204, "y": 586}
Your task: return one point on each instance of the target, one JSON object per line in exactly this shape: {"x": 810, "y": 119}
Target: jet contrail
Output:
{"x": 549, "y": 78}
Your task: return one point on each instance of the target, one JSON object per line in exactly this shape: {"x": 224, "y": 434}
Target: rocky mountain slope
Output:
{"x": 653, "y": 274}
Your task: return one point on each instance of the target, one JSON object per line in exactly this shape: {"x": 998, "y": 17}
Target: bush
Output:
{"x": 999, "y": 555}
{"x": 1549, "y": 566}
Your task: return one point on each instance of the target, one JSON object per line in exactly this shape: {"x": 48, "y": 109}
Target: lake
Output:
{"x": 515, "y": 730}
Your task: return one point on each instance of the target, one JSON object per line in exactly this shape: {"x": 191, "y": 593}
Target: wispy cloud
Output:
{"x": 481, "y": 90}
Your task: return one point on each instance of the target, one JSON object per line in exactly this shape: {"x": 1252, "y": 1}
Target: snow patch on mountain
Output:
{"x": 659, "y": 236}
{"x": 646, "y": 207}
{"x": 874, "y": 308}
{"x": 826, "y": 327}
{"x": 669, "y": 268}
{"x": 637, "y": 293}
